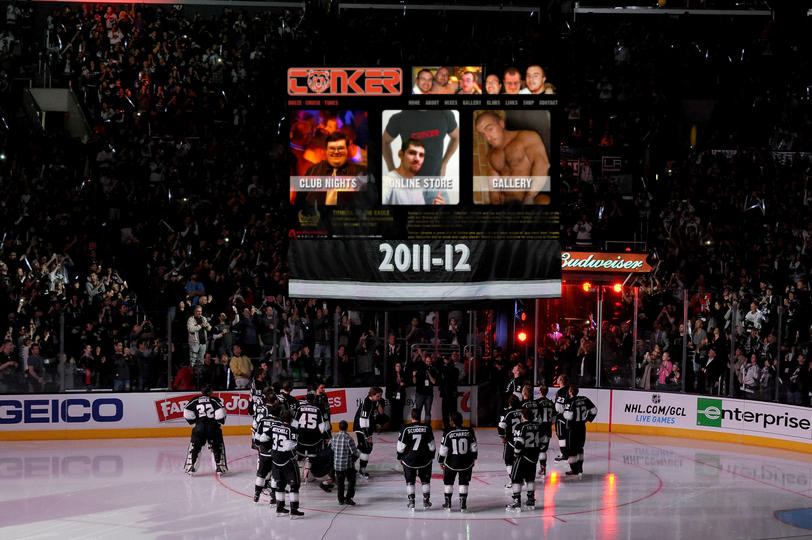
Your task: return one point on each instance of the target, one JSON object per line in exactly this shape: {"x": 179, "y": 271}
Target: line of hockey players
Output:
{"x": 294, "y": 439}
{"x": 525, "y": 428}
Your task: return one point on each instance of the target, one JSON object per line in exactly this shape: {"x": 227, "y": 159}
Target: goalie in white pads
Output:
{"x": 207, "y": 414}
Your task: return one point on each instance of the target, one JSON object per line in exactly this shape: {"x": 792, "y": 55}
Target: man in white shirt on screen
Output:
{"x": 402, "y": 186}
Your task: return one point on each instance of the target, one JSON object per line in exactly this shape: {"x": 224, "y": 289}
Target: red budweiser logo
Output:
{"x": 345, "y": 81}
{"x": 172, "y": 408}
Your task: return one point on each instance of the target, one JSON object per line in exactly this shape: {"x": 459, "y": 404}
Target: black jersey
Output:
{"x": 366, "y": 417}
{"x": 309, "y": 425}
{"x": 289, "y": 402}
{"x": 458, "y": 451}
{"x": 509, "y": 420}
{"x": 579, "y": 410}
{"x": 532, "y": 406}
{"x": 263, "y": 436}
{"x": 416, "y": 445}
{"x": 282, "y": 440}
{"x": 545, "y": 411}
{"x": 323, "y": 403}
{"x": 527, "y": 440}
{"x": 206, "y": 413}
{"x": 256, "y": 398}
{"x": 561, "y": 399}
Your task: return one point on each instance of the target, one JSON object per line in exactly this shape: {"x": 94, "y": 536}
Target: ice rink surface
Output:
{"x": 634, "y": 487}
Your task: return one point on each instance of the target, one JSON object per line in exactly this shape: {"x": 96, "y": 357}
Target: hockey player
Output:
{"x": 527, "y": 441}
{"x": 578, "y": 411}
{"x": 527, "y": 400}
{"x": 264, "y": 441}
{"x": 207, "y": 414}
{"x": 310, "y": 427}
{"x": 561, "y": 398}
{"x": 323, "y": 403}
{"x": 458, "y": 452}
{"x": 259, "y": 407}
{"x": 415, "y": 451}
{"x": 511, "y": 417}
{"x": 285, "y": 469}
{"x": 545, "y": 415}
{"x": 367, "y": 420}
{"x": 288, "y": 401}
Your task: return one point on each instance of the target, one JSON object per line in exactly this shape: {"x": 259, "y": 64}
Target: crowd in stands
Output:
{"x": 178, "y": 201}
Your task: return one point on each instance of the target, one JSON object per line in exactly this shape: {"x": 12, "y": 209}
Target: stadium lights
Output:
{"x": 586, "y": 286}
{"x": 617, "y": 287}
{"x": 522, "y": 336}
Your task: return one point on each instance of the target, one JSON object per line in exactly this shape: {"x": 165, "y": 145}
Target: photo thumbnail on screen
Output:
{"x": 328, "y": 158}
{"x": 515, "y": 81}
{"x": 420, "y": 160}
{"x": 465, "y": 80}
{"x": 511, "y": 163}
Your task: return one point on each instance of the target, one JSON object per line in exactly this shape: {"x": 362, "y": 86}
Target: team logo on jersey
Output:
{"x": 345, "y": 81}
{"x": 318, "y": 80}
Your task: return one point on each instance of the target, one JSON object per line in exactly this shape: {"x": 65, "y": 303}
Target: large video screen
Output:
{"x": 423, "y": 183}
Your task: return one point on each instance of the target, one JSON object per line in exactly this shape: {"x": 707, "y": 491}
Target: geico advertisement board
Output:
{"x": 711, "y": 414}
{"x": 162, "y": 409}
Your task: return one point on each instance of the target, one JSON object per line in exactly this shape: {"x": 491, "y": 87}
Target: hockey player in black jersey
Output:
{"x": 578, "y": 411}
{"x": 415, "y": 451}
{"x": 288, "y": 401}
{"x": 527, "y": 441}
{"x": 264, "y": 442}
{"x": 458, "y": 452}
{"x": 207, "y": 414}
{"x": 323, "y": 403}
{"x": 310, "y": 427}
{"x": 259, "y": 407}
{"x": 285, "y": 470}
{"x": 511, "y": 417}
{"x": 561, "y": 398}
{"x": 368, "y": 419}
{"x": 545, "y": 415}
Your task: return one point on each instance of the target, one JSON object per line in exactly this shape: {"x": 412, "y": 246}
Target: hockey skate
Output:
{"x": 410, "y": 504}
{"x": 531, "y": 503}
{"x": 426, "y": 503}
{"x": 295, "y": 512}
{"x": 515, "y": 506}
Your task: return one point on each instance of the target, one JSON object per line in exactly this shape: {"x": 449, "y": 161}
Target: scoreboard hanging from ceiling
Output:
{"x": 423, "y": 184}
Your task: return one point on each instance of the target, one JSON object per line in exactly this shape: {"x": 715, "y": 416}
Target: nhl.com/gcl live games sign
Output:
{"x": 578, "y": 261}
{"x": 345, "y": 81}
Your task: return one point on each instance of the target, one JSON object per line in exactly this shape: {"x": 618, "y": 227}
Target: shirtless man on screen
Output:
{"x": 513, "y": 154}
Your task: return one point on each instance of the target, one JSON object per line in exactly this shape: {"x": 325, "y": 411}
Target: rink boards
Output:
{"x": 160, "y": 414}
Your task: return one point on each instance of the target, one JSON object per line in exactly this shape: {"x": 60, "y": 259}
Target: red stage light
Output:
{"x": 617, "y": 287}
{"x": 586, "y": 286}
{"x": 522, "y": 336}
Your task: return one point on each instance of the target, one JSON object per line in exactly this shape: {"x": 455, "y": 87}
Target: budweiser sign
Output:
{"x": 604, "y": 262}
